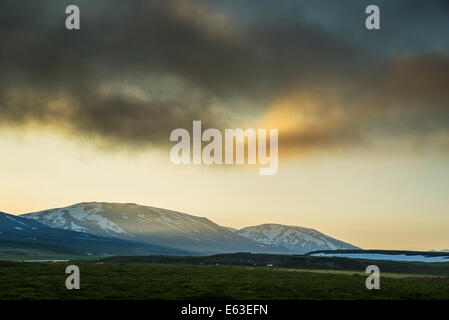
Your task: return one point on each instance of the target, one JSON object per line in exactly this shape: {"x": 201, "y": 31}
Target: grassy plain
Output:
{"x": 142, "y": 281}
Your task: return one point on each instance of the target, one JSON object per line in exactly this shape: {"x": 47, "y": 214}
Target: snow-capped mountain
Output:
{"x": 150, "y": 225}
{"x": 180, "y": 231}
{"x": 18, "y": 232}
{"x": 297, "y": 239}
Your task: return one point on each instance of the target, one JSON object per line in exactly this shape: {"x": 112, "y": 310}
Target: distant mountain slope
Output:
{"x": 297, "y": 239}
{"x": 16, "y": 231}
{"x": 150, "y": 225}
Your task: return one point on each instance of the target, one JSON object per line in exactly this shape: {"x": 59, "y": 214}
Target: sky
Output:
{"x": 363, "y": 116}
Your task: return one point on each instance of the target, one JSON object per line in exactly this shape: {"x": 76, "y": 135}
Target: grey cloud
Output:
{"x": 94, "y": 82}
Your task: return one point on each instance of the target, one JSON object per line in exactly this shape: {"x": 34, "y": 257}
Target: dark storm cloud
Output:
{"x": 136, "y": 70}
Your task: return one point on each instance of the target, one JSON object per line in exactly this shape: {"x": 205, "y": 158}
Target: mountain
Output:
{"x": 297, "y": 239}
{"x": 19, "y": 233}
{"x": 150, "y": 225}
{"x": 167, "y": 230}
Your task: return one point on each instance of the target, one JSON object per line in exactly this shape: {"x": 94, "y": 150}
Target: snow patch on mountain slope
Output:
{"x": 53, "y": 219}
{"x": 59, "y": 218}
{"x": 81, "y": 214}
{"x": 78, "y": 228}
{"x": 15, "y": 220}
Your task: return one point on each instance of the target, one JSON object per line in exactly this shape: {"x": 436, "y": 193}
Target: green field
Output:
{"x": 180, "y": 281}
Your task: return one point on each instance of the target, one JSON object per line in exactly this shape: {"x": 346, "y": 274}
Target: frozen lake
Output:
{"x": 378, "y": 256}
